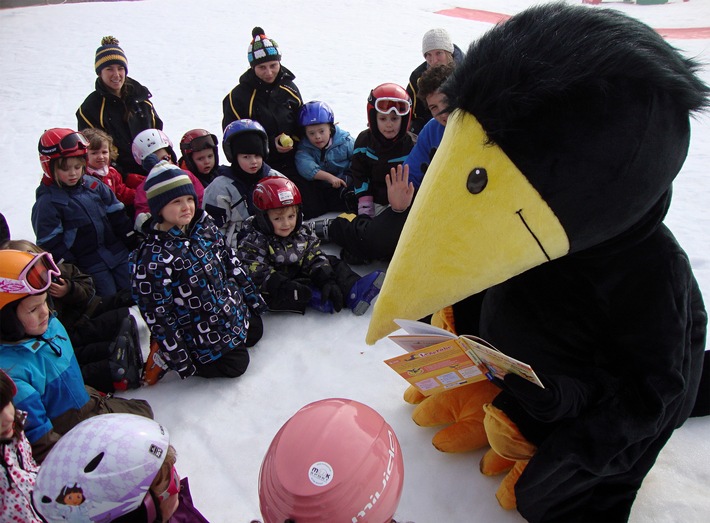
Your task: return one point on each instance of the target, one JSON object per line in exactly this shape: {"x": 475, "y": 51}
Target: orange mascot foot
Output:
{"x": 507, "y": 445}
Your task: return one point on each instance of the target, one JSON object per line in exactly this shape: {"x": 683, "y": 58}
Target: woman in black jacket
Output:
{"x": 119, "y": 105}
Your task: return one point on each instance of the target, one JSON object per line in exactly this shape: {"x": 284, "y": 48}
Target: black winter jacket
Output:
{"x": 123, "y": 118}
{"x": 275, "y": 106}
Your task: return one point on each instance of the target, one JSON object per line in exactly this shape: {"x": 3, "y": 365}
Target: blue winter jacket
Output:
{"x": 47, "y": 376}
{"x": 84, "y": 225}
{"x": 423, "y": 151}
{"x": 334, "y": 159}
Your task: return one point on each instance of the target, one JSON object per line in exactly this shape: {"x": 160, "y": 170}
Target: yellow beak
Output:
{"x": 461, "y": 239}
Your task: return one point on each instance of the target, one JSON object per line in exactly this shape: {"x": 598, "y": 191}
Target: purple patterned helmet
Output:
{"x": 101, "y": 469}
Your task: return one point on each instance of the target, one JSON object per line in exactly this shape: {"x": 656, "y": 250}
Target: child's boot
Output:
{"x": 155, "y": 368}
{"x": 125, "y": 372}
{"x": 317, "y": 303}
{"x": 364, "y": 291}
{"x": 320, "y": 227}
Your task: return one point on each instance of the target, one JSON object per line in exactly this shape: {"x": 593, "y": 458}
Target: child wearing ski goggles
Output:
{"x": 397, "y": 106}
{"x": 34, "y": 278}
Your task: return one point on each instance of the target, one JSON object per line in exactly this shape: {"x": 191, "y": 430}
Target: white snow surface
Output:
{"x": 190, "y": 54}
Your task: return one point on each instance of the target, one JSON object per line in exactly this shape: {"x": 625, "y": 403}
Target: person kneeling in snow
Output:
{"x": 191, "y": 289}
{"x": 284, "y": 258}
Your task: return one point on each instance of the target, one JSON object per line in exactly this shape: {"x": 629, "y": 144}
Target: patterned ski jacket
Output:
{"x": 123, "y": 118}
{"x": 334, "y": 159}
{"x": 275, "y": 106}
{"x": 84, "y": 225}
{"x": 267, "y": 255}
{"x": 48, "y": 378}
{"x": 193, "y": 293}
{"x": 17, "y": 480}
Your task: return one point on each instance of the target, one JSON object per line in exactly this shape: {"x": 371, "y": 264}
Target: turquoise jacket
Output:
{"x": 47, "y": 376}
{"x": 334, "y": 159}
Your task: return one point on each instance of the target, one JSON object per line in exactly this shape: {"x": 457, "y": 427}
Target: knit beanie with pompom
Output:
{"x": 109, "y": 54}
{"x": 262, "y": 49}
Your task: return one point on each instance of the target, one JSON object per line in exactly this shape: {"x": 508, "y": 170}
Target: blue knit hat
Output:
{"x": 164, "y": 183}
{"x": 262, "y": 49}
{"x": 109, "y": 54}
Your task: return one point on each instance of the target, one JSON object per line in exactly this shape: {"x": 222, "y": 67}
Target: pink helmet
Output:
{"x": 334, "y": 460}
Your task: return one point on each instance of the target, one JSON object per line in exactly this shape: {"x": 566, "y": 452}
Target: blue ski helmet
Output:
{"x": 314, "y": 113}
{"x": 239, "y": 127}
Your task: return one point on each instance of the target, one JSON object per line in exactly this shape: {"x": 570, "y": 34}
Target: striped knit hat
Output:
{"x": 109, "y": 54}
{"x": 164, "y": 183}
{"x": 262, "y": 49}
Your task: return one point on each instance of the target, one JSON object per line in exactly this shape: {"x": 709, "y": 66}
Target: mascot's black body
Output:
{"x": 592, "y": 108}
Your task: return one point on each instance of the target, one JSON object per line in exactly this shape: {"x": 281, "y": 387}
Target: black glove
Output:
{"x": 331, "y": 291}
{"x": 282, "y": 294}
{"x": 562, "y": 397}
{"x": 298, "y": 292}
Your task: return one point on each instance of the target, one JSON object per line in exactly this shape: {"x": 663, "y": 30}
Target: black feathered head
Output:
{"x": 568, "y": 126}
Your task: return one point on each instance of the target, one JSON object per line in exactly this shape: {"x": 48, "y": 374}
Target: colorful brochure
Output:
{"x": 438, "y": 360}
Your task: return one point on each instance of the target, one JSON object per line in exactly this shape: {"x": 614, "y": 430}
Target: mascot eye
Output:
{"x": 477, "y": 180}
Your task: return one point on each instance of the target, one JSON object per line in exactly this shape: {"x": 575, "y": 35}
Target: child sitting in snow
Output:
{"x": 200, "y": 156}
{"x": 100, "y": 157}
{"x": 101, "y": 329}
{"x": 379, "y": 151}
{"x": 156, "y": 142}
{"x": 77, "y": 218}
{"x": 324, "y": 157}
{"x": 18, "y": 481}
{"x": 36, "y": 352}
{"x": 285, "y": 260}
{"x": 200, "y": 305}
{"x": 228, "y": 198}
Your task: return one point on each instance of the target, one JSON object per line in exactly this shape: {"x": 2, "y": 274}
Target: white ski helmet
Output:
{"x": 148, "y": 141}
{"x": 106, "y": 462}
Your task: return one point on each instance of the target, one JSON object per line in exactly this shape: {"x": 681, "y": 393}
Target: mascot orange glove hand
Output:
{"x": 461, "y": 409}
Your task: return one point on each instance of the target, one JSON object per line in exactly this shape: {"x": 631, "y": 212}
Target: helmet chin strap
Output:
{"x": 152, "y": 511}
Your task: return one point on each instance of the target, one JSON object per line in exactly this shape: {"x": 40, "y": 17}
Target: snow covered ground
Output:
{"x": 190, "y": 54}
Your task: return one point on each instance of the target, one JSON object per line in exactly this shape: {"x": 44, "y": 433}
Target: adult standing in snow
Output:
{"x": 437, "y": 50}
{"x": 119, "y": 105}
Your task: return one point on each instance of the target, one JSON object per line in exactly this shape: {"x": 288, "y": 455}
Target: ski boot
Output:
{"x": 125, "y": 367}
{"x": 316, "y": 303}
{"x": 155, "y": 368}
{"x": 320, "y": 227}
{"x": 364, "y": 291}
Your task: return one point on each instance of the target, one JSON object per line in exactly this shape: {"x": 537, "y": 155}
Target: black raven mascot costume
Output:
{"x": 541, "y": 218}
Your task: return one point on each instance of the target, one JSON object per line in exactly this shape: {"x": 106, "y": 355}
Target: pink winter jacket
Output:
{"x": 17, "y": 479}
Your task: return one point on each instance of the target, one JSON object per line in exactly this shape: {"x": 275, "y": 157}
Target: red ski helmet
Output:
{"x": 60, "y": 143}
{"x": 194, "y": 141}
{"x": 389, "y": 98}
{"x": 274, "y": 192}
{"x": 334, "y": 460}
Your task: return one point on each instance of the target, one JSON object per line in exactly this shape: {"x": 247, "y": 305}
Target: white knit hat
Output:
{"x": 437, "y": 39}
